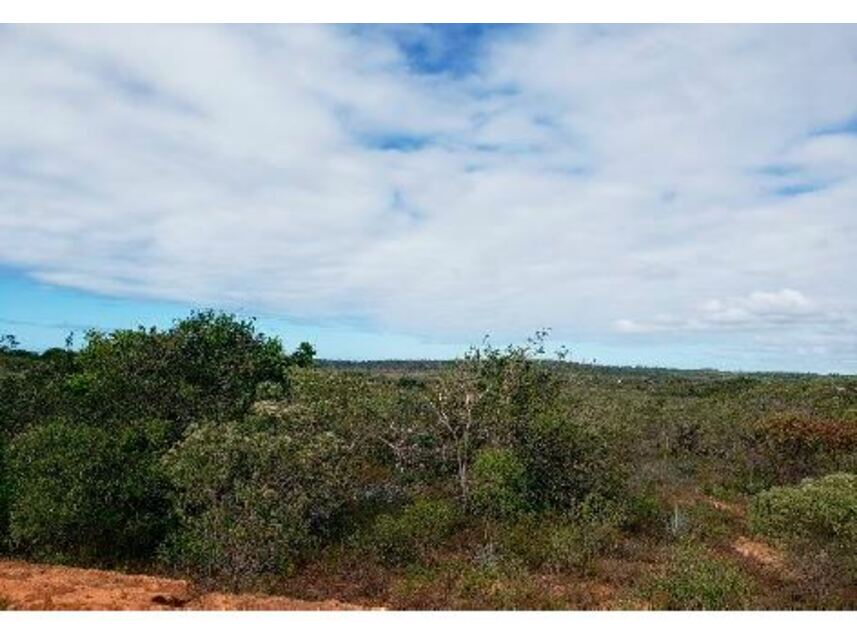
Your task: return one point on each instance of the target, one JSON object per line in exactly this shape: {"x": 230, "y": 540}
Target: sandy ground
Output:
{"x": 762, "y": 553}
{"x": 28, "y": 586}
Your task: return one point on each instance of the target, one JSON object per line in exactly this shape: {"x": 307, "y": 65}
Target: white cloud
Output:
{"x": 759, "y": 310}
{"x": 577, "y": 176}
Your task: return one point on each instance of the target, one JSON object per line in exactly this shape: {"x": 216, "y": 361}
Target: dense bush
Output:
{"x": 787, "y": 447}
{"x": 392, "y": 454}
{"x": 87, "y": 493}
{"x": 253, "y": 498}
{"x": 481, "y": 482}
{"x": 565, "y": 542}
{"x": 594, "y": 528}
{"x": 695, "y": 580}
{"x": 824, "y": 508}
{"x": 5, "y": 493}
{"x": 206, "y": 366}
{"x": 566, "y": 462}
{"x": 30, "y": 391}
{"x": 420, "y": 528}
{"x": 499, "y": 484}
{"x": 817, "y": 516}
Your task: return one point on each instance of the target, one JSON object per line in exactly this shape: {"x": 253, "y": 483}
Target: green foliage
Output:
{"x": 593, "y": 529}
{"x": 816, "y": 516}
{"x": 30, "y": 391}
{"x": 414, "y": 533}
{"x": 824, "y": 508}
{"x": 567, "y": 542}
{"x": 488, "y": 398}
{"x": 644, "y": 511}
{"x": 5, "y": 493}
{"x": 509, "y": 399}
{"x": 304, "y": 355}
{"x": 700, "y": 522}
{"x": 253, "y": 498}
{"x": 499, "y": 484}
{"x": 86, "y": 493}
{"x": 566, "y": 462}
{"x": 695, "y": 580}
{"x": 270, "y": 391}
{"x": 396, "y": 450}
{"x": 205, "y": 366}
{"x": 465, "y": 585}
{"x": 244, "y": 461}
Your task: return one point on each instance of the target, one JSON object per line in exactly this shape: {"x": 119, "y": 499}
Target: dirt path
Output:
{"x": 28, "y": 586}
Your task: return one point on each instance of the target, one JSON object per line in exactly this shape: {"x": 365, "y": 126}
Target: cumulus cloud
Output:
{"x": 757, "y": 310}
{"x": 564, "y": 176}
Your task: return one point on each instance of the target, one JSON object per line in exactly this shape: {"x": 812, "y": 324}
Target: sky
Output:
{"x": 667, "y": 195}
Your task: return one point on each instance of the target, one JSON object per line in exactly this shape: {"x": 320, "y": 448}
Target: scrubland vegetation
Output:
{"x": 500, "y": 480}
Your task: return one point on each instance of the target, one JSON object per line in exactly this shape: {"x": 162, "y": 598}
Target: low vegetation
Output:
{"x": 695, "y": 580}
{"x": 500, "y": 480}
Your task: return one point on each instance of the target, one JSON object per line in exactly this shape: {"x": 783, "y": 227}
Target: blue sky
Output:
{"x": 664, "y": 195}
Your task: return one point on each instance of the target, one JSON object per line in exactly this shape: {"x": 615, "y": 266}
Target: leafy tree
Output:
{"x": 303, "y": 355}
{"x": 8, "y": 343}
{"x": 206, "y": 366}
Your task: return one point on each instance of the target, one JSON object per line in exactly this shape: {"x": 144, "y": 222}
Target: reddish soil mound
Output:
{"x": 27, "y": 586}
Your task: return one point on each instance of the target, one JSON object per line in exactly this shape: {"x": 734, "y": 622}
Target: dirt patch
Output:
{"x": 28, "y": 586}
{"x": 760, "y": 552}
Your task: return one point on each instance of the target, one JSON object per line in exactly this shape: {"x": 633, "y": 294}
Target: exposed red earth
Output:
{"x": 29, "y": 586}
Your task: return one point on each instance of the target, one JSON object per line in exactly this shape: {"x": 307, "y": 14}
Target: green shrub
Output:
{"x": 487, "y": 398}
{"x": 88, "y": 493}
{"x": 823, "y": 509}
{"x": 252, "y": 499}
{"x": 645, "y": 511}
{"x": 498, "y": 484}
{"x": 593, "y": 529}
{"x": 566, "y": 462}
{"x": 818, "y": 516}
{"x": 241, "y": 538}
{"x": 414, "y": 533}
{"x": 4, "y": 495}
{"x": 568, "y": 542}
{"x": 270, "y": 391}
{"x": 463, "y": 585}
{"x": 695, "y": 580}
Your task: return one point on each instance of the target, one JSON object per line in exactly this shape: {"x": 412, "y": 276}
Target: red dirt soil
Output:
{"x": 28, "y": 586}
